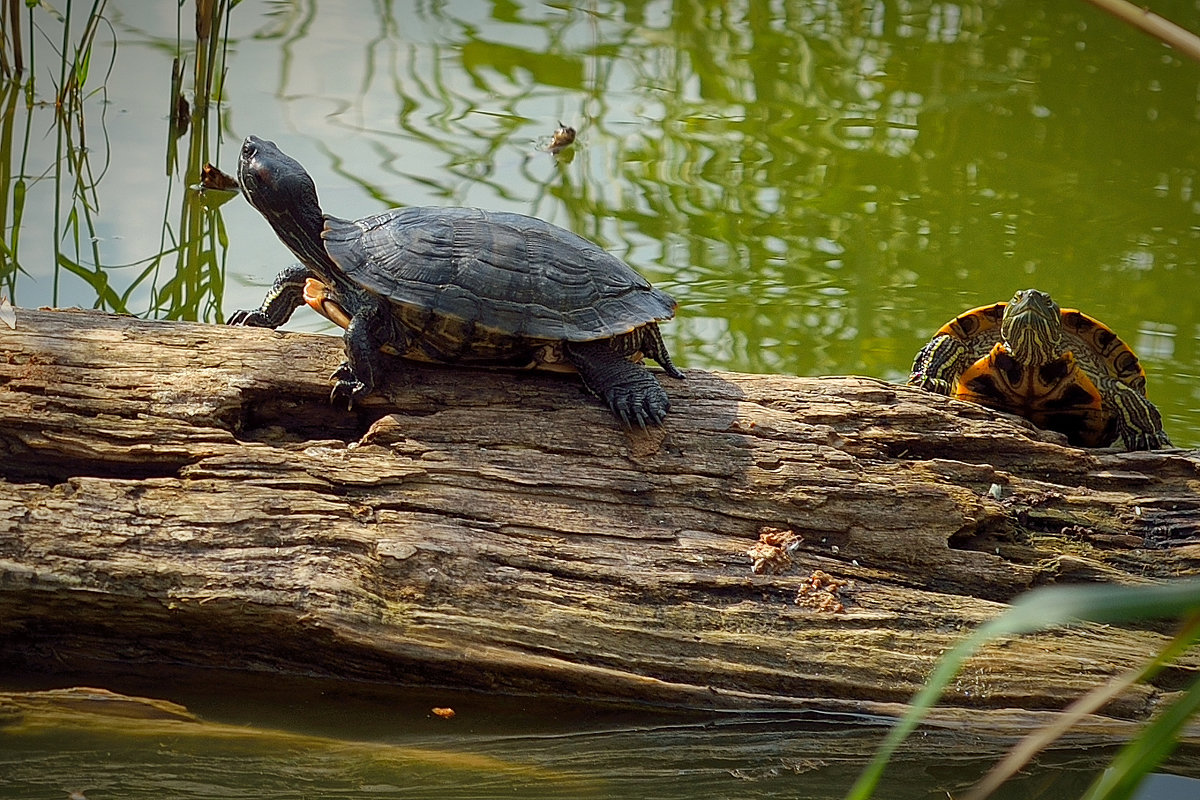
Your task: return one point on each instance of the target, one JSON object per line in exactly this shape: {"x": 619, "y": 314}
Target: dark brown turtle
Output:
{"x": 459, "y": 286}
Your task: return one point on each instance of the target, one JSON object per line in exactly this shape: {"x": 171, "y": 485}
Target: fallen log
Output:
{"x": 184, "y": 493}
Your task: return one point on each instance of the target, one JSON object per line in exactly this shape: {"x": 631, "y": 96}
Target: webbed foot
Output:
{"x": 935, "y": 385}
{"x": 1145, "y": 440}
{"x": 254, "y": 318}
{"x": 644, "y": 405}
{"x": 629, "y": 390}
{"x": 355, "y": 378}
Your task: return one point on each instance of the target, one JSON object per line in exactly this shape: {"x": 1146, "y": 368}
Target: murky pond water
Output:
{"x": 258, "y": 738}
{"x": 819, "y": 184}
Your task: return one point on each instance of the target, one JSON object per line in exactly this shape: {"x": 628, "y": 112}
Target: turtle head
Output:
{"x": 1032, "y": 327}
{"x": 280, "y": 189}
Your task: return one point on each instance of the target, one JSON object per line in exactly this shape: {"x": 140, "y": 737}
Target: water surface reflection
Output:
{"x": 821, "y": 184}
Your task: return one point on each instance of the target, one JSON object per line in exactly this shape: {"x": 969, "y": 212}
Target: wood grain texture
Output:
{"x": 184, "y": 493}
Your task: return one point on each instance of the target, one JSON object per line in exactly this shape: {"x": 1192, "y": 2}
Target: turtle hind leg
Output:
{"x": 650, "y": 342}
{"x": 629, "y": 389}
{"x": 285, "y": 296}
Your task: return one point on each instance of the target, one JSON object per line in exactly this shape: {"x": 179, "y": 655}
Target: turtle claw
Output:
{"x": 344, "y": 390}
{"x": 630, "y": 412}
{"x": 643, "y": 408}
{"x": 253, "y": 318}
{"x": 347, "y": 387}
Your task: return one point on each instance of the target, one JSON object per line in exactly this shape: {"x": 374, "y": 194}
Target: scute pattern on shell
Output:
{"x": 1102, "y": 351}
{"x": 978, "y": 329}
{"x": 507, "y": 273}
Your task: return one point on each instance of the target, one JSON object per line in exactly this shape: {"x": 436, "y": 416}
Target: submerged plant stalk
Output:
{"x": 12, "y": 20}
{"x": 1147, "y": 21}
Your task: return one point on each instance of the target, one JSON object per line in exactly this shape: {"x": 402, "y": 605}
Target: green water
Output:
{"x": 820, "y": 185}
{"x": 267, "y": 737}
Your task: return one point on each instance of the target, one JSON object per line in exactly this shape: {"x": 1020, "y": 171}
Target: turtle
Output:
{"x": 456, "y": 285}
{"x": 1057, "y": 367}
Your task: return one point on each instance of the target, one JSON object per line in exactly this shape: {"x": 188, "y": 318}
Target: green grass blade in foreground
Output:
{"x": 1142, "y": 755}
{"x": 1036, "y": 741}
{"x": 1034, "y": 611}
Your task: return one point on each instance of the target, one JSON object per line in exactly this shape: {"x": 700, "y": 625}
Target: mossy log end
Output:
{"x": 183, "y": 493}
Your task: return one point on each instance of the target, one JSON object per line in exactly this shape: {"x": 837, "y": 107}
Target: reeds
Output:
{"x": 12, "y": 54}
{"x": 194, "y": 247}
{"x": 188, "y": 274}
{"x": 72, "y": 173}
{"x": 1052, "y": 607}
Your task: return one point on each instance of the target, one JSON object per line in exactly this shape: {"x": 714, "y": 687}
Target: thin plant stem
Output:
{"x": 13, "y": 23}
{"x": 1147, "y": 21}
{"x": 60, "y": 100}
{"x": 1090, "y": 703}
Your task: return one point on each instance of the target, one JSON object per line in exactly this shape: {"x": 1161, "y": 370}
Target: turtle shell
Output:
{"x": 1070, "y": 393}
{"x": 486, "y": 274}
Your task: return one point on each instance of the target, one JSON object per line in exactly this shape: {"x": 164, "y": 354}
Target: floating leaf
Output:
{"x": 213, "y": 178}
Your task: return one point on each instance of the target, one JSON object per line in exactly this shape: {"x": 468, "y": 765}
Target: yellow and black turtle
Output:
{"x": 1057, "y": 367}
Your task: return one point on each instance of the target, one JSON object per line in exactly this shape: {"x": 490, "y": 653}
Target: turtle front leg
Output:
{"x": 628, "y": 389}
{"x": 1139, "y": 425}
{"x": 939, "y": 364}
{"x": 285, "y": 296}
{"x": 368, "y": 330}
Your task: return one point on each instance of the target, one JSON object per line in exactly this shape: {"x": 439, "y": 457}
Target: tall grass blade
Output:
{"x": 11, "y": 16}
{"x": 1035, "y": 611}
{"x": 98, "y": 279}
{"x": 1090, "y": 703}
{"x": 83, "y": 62}
{"x": 1143, "y": 755}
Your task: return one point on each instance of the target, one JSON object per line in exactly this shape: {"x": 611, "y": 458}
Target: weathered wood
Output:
{"x": 184, "y": 493}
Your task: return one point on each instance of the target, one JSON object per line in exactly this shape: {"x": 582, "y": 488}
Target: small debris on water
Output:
{"x": 563, "y": 137}
{"x": 213, "y": 178}
{"x": 444, "y": 713}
